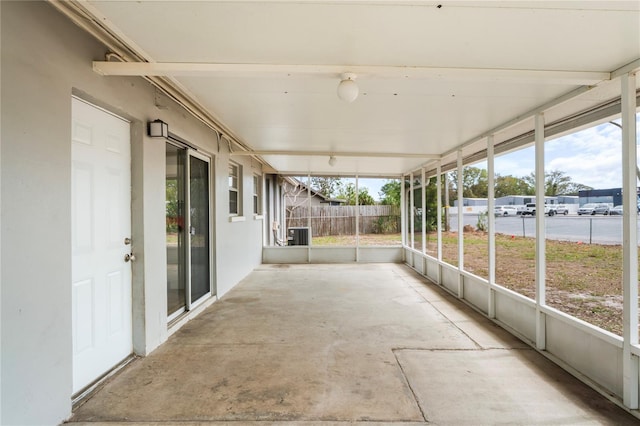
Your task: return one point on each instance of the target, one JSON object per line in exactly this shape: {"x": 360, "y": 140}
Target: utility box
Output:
{"x": 300, "y": 236}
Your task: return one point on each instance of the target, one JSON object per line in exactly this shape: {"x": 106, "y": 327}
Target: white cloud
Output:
{"x": 591, "y": 157}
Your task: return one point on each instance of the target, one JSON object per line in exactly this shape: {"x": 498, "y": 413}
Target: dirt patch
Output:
{"x": 582, "y": 280}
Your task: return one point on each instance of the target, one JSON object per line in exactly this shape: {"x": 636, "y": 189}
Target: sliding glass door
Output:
{"x": 200, "y": 272}
{"x": 175, "y": 224}
{"x": 188, "y": 228}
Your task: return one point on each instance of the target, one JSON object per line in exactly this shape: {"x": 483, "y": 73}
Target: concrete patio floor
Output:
{"x": 329, "y": 344}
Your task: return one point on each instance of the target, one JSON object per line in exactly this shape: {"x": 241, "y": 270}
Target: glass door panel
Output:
{"x": 175, "y": 229}
{"x": 200, "y": 276}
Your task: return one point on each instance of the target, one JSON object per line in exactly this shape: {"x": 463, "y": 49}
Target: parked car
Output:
{"x": 562, "y": 209}
{"x": 602, "y": 209}
{"x": 505, "y": 211}
{"x": 593, "y": 209}
{"x": 531, "y": 209}
{"x": 587, "y": 209}
{"x": 616, "y": 211}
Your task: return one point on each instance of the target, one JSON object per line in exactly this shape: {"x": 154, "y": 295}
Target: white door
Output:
{"x": 101, "y": 221}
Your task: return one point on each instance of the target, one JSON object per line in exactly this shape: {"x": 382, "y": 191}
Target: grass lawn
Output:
{"x": 365, "y": 240}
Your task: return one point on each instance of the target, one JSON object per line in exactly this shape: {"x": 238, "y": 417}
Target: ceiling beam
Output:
{"x": 176, "y": 69}
{"x": 633, "y": 66}
{"x": 339, "y": 154}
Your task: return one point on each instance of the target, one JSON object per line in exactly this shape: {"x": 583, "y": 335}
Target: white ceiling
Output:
{"x": 431, "y": 78}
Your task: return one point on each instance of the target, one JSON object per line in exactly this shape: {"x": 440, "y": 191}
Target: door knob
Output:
{"x": 129, "y": 257}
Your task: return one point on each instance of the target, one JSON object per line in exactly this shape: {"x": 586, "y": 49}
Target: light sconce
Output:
{"x": 332, "y": 161}
{"x": 348, "y": 89}
{"x": 158, "y": 129}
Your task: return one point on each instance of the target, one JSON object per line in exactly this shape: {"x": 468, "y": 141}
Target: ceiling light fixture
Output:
{"x": 332, "y": 161}
{"x": 348, "y": 89}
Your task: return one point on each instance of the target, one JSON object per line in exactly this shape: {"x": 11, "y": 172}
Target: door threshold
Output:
{"x": 176, "y": 323}
{"x": 82, "y": 396}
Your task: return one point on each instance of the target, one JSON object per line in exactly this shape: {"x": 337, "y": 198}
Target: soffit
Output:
{"x": 403, "y": 113}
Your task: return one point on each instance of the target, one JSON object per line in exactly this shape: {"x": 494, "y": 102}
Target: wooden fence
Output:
{"x": 341, "y": 220}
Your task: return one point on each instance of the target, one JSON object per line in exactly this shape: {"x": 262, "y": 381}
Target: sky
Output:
{"x": 592, "y": 157}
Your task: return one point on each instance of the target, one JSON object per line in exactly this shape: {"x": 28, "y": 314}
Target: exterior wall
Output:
{"x": 0, "y": 222}
{"x": 515, "y": 200}
{"x": 475, "y": 291}
{"x": 568, "y": 199}
{"x": 238, "y": 244}
{"x": 380, "y": 254}
{"x": 612, "y": 196}
{"x": 36, "y": 232}
{"x": 482, "y": 202}
{"x": 521, "y": 200}
{"x": 306, "y": 254}
{"x": 46, "y": 59}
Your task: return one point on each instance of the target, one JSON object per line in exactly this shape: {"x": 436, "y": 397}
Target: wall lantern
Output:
{"x": 158, "y": 129}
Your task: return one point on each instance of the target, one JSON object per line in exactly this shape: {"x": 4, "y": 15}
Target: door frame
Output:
{"x": 191, "y": 151}
{"x": 79, "y": 394}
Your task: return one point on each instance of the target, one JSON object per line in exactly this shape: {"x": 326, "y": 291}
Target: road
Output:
{"x": 586, "y": 229}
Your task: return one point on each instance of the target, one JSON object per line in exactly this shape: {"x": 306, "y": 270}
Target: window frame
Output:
{"x": 237, "y": 189}
{"x": 257, "y": 194}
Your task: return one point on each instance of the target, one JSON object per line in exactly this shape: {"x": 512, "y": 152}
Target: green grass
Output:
{"x": 365, "y": 239}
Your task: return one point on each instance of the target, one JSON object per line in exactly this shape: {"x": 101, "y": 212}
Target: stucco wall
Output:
{"x": 0, "y": 222}
{"x": 46, "y": 59}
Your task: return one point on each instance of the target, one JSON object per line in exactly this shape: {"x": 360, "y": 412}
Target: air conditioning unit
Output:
{"x": 299, "y": 236}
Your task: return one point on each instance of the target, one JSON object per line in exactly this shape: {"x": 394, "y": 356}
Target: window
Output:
{"x": 235, "y": 196}
{"x": 257, "y": 194}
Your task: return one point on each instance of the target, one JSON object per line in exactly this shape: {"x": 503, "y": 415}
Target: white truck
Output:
{"x": 530, "y": 209}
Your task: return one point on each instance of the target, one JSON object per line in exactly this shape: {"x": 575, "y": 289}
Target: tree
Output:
{"x": 327, "y": 186}
{"x": 557, "y": 182}
{"x": 511, "y": 185}
{"x": 474, "y": 182}
{"x": 348, "y": 193}
{"x": 575, "y": 188}
{"x": 390, "y": 193}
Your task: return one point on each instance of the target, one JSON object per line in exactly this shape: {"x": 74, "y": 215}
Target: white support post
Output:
{"x": 447, "y": 203}
{"x": 411, "y": 211}
{"x": 403, "y": 213}
{"x": 541, "y": 337}
{"x": 491, "y": 218}
{"x": 424, "y": 212}
{"x": 460, "y": 227}
{"x": 439, "y": 195}
{"x": 357, "y": 222}
{"x": 283, "y": 214}
{"x": 439, "y": 218}
{"x": 309, "y": 216}
{"x": 630, "y": 379}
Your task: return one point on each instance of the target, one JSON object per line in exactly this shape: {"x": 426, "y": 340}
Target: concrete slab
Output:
{"x": 256, "y": 423}
{"x": 484, "y": 332}
{"x": 509, "y": 387}
{"x": 312, "y": 345}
